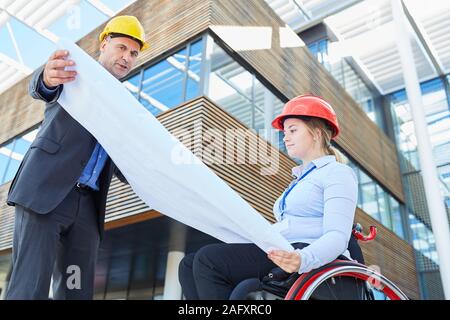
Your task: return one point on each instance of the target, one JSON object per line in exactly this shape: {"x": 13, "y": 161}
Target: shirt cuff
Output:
{"x": 305, "y": 265}
{"x": 48, "y": 93}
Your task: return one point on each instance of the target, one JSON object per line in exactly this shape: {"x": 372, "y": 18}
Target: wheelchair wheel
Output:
{"x": 344, "y": 281}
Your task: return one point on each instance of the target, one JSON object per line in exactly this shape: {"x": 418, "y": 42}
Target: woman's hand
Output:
{"x": 288, "y": 261}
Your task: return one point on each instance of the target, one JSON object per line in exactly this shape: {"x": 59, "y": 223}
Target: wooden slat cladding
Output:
{"x": 18, "y": 111}
{"x": 295, "y": 71}
{"x": 245, "y": 177}
{"x": 393, "y": 256}
{"x": 122, "y": 201}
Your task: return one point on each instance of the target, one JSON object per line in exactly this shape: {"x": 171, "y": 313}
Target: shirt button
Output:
{"x": 95, "y": 171}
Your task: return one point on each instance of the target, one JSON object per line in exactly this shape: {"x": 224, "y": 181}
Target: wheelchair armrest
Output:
{"x": 276, "y": 274}
{"x": 278, "y": 281}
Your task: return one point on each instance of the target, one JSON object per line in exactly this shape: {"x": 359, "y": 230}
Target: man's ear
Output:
{"x": 103, "y": 45}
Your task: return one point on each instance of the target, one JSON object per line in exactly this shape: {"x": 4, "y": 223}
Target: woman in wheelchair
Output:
{"x": 315, "y": 214}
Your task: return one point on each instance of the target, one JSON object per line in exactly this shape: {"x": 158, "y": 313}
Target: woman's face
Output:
{"x": 297, "y": 138}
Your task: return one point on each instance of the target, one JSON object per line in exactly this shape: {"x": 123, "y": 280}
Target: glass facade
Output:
{"x": 423, "y": 239}
{"x": 377, "y": 201}
{"x": 11, "y": 154}
{"x": 169, "y": 82}
{"x": 241, "y": 94}
{"x": 436, "y": 106}
{"x": 348, "y": 79}
{"x": 193, "y": 71}
{"x": 373, "y": 198}
{"x": 131, "y": 276}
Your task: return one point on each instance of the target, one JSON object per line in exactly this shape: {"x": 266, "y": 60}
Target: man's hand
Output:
{"x": 54, "y": 73}
{"x": 288, "y": 261}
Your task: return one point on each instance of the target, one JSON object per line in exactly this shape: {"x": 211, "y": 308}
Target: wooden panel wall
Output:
{"x": 247, "y": 179}
{"x": 18, "y": 111}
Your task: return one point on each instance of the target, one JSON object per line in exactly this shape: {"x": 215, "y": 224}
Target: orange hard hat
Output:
{"x": 309, "y": 106}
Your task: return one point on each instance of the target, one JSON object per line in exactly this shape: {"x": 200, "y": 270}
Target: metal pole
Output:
{"x": 438, "y": 214}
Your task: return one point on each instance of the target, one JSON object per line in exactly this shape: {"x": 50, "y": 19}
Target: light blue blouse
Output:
{"x": 319, "y": 210}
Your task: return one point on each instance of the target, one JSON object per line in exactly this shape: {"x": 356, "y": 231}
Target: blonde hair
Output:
{"x": 314, "y": 123}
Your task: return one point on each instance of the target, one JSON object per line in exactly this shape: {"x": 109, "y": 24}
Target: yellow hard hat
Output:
{"x": 126, "y": 25}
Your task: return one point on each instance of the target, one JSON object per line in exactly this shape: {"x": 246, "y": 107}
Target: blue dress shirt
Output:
{"x": 319, "y": 210}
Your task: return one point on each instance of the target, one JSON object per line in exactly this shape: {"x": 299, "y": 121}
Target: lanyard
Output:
{"x": 282, "y": 205}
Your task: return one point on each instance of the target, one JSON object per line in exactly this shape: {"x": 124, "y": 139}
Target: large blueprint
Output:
{"x": 142, "y": 149}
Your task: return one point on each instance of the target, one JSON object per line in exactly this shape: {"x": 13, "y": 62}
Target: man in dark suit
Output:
{"x": 60, "y": 189}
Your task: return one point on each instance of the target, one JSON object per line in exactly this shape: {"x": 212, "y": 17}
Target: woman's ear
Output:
{"x": 317, "y": 134}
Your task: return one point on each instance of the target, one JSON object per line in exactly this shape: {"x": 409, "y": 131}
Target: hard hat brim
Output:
{"x": 142, "y": 44}
{"x": 277, "y": 123}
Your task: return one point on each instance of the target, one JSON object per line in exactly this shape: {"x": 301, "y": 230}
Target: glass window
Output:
{"x": 13, "y": 166}
{"x": 369, "y": 196}
{"x": 230, "y": 86}
{"x": 314, "y": 48}
{"x": 383, "y": 207}
{"x": 118, "y": 277}
{"x": 423, "y": 239}
{"x": 396, "y": 217}
{"x": 356, "y": 170}
{"x": 242, "y": 95}
{"x": 320, "y": 50}
{"x": 436, "y": 107}
{"x": 375, "y": 200}
{"x": 280, "y": 142}
{"x": 349, "y": 79}
{"x": 5, "y": 159}
{"x": 11, "y": 155}
{"x": 438, "y": 119}
{"x": 142, "y": 277}
{"x": 162, "y": 84}
{"x": 133, "y": 83}
{"x": 367, "y": 103}
{"x": 194, "y": 68}
{"x": 323, "y": 53}
{"x": 169, "y": 82}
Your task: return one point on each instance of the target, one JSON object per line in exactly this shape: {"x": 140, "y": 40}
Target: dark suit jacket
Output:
{"x": 56, "y": 158}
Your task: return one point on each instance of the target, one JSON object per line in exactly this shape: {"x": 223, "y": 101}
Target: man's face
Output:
{"x": 118, "y": 55}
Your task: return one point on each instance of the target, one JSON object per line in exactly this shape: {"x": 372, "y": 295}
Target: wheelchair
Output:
{"x": 342, "y": 279}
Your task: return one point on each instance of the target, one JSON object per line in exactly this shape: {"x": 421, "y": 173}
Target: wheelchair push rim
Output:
{"x": 376, "y": 280}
